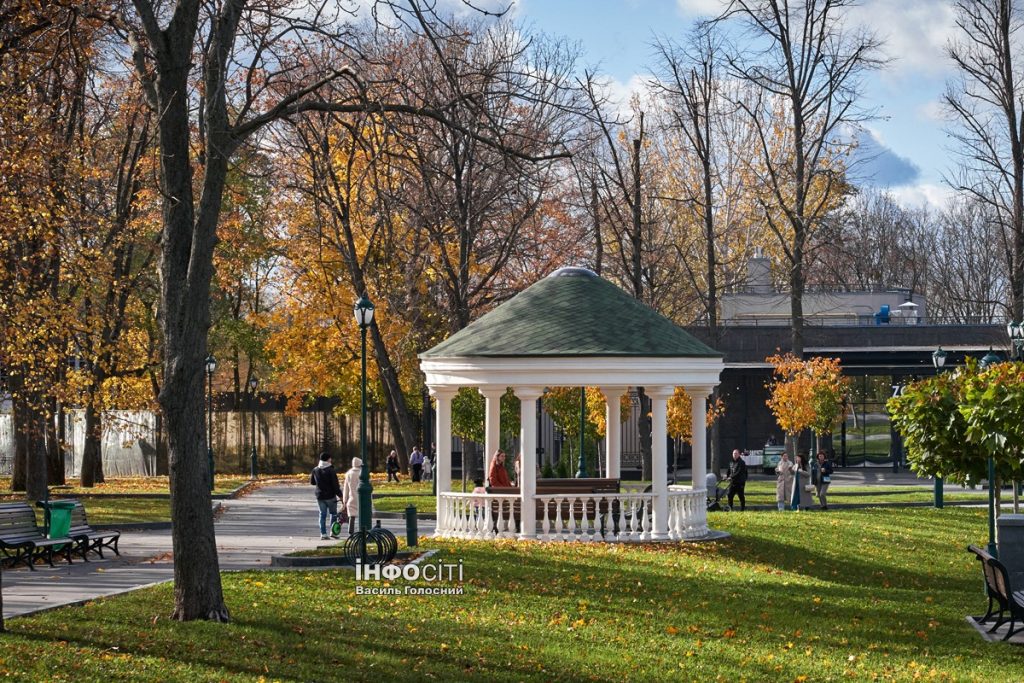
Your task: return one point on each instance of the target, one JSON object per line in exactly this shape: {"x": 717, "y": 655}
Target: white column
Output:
{"x": 443, "y": 467}
{"x": 699, "y": 429}
{"x": 659, "y": 458}
{"x": 613, "y": 431}
{"x": 492, "y": 423}
{"x": 528, "y": 464}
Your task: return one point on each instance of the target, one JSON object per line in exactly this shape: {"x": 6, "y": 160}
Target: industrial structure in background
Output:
{"x": 883, "y": 336}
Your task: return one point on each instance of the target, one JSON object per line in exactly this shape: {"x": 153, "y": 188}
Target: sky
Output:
{"x": 907, "y": 144}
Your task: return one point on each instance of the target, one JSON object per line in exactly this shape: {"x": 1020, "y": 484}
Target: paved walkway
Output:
{"x": 272, "y": 521}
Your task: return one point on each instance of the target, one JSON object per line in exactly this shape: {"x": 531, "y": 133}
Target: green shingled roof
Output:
{"x": 572, "y": 312}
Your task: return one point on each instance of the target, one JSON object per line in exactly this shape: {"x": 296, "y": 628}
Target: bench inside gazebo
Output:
{"x": 573, "y": 328}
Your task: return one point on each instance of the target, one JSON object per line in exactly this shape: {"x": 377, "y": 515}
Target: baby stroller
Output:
{"x": 718, "y": 493}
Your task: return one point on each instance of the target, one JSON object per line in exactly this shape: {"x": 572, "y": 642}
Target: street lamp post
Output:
{"x": 938, "y": 360}
{"x": 253, "y": 383}
{"x": 363, "y": 311}
{"x": 989, "y": 359}
{"x": 211, "y": 366}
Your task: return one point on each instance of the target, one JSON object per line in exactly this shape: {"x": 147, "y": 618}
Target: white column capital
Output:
{"x": 611, "y": 393}
{"x": 492, "y": 391}
{"x": 700, "y": 390}
{"x": 528, "y": 393}
{"x": 443, "y": 392}
{"x": 662, "y": 392}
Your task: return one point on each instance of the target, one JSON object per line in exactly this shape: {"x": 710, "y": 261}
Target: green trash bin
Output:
{"x": 60, "y": 517}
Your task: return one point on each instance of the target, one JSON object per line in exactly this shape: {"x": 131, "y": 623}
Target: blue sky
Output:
{"x": 908, "y": 140}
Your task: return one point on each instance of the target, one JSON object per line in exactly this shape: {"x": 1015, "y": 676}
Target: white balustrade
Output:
{"x": 687, "y": 513}
{"x": 476, "y": 516}
{"x": 587, "y": 517}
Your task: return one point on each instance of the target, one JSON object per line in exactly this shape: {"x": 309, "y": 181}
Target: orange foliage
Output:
{"x": 806, "y": 394}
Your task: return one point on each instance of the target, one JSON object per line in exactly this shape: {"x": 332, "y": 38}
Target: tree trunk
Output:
{"x": 20, "y": 445}
{"x": 394, "y": 400}
{"x": 637, "y": 232}
{"x": 644, "y": 425}
{"x": 35, "y": 462}
{"x": 714, "y": 436}
{"x": 54, "y": 452}
{"x": 186, "y": 268}
{"x": 796, "y": 300}
{"x": 197, "y": 586}
{"x": 91, "y": 471}
{"x": 595, "y": 208}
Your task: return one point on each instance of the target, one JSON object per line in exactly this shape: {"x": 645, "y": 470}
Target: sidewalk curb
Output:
{"x": 324, "y": 561}
{"x": 85, "y": 601}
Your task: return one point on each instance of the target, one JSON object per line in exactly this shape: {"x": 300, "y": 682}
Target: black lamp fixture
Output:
{"x": 1016, "y": 333}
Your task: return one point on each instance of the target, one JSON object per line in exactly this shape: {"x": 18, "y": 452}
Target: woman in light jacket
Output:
{"x": 350, "y": 492}
{"x": 802, "y": 498}
{"x": 784, "y": 482}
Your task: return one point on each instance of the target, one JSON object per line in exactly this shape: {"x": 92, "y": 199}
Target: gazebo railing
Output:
{"x": 687, "y": 513}
{"x": 477, "y": 516}
{"x": 607, "y": 517}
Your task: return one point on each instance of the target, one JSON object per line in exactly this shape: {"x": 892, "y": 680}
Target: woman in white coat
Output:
{"x": 802, "y": 498}
{"x": 784, "y": 482}
{"x": 350, "y": 493}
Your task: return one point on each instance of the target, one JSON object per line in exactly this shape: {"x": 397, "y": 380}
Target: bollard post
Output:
{"x": 938, "y": 492}
{"x": 411, "y": 534}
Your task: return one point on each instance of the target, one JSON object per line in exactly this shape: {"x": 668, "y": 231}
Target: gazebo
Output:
{"x": 573, "y": 328}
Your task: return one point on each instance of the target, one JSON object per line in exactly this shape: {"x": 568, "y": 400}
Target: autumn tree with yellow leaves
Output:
{"x": 806, "y": 394}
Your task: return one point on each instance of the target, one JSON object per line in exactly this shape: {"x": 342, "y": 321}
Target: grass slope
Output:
{"x": 858, "y": 595}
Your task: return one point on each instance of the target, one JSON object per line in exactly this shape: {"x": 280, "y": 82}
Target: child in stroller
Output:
{"x": 718, "y": 493}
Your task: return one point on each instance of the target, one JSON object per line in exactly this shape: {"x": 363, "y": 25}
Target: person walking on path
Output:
{"x": 802, "y": 486}
{"x": 350, "y": 493}
{"x": 738, "y": 480}
{"x": 328, "y": 491}
{"x": 392, "y": 466}
{"x": 824, "y": 478}
{"x": 416, "y": 463}
{"x": 498, "y": 476}
{"x": 428, "y": 469}
{"x": 784, "y": 481}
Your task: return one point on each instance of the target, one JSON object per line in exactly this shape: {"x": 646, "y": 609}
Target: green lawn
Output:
{"x": 115, "y": 510}
{"x": 118, "y": 509}
{"x": 862, "y": 595}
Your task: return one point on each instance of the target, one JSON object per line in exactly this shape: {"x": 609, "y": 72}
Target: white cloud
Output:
{"x": 620, "y": 94}
{"x": 934, "y": 112}
{"x": 702, "y": 8}
{"x": 915, "y": 32}
{"x": 930, "y": 195}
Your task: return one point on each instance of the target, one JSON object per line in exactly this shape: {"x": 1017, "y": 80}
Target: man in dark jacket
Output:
{"x": 328, "y": 491}
{"x": 737, "y": 480}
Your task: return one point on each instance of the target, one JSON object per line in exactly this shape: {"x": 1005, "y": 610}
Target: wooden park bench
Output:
{"x": 89, "y": 539}
{"x": 1000, "y": 594}
{"x": 22, "y": 541}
